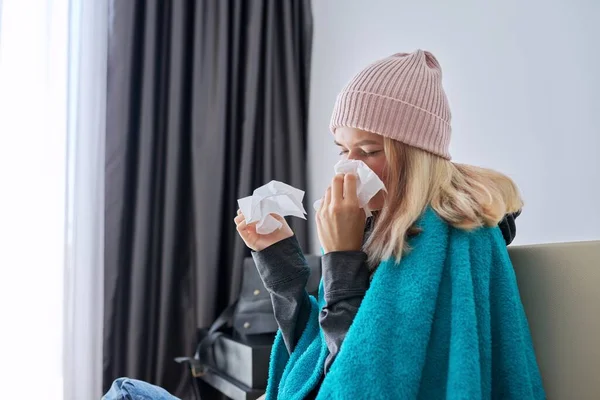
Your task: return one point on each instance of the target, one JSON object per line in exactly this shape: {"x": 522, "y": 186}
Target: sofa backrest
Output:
{"x": 560, "y": 290}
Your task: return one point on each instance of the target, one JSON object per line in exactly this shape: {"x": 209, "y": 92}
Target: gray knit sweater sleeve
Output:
{"x": 345, "y": 282}
{"x": 284, "y": 272}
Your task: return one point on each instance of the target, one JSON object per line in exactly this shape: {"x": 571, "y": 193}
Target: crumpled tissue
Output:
{"x": 273, "y": 198}
{"x": 368, "y": 184}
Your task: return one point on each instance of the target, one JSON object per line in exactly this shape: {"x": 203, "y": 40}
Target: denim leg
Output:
{"x": 132, "y": 389}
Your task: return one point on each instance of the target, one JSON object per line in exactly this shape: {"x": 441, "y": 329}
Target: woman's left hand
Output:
{"x": 340, "y": 220}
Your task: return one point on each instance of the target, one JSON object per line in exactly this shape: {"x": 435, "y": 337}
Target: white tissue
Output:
{"x": 368, "y": 184}
{"x": 273, "y": 198}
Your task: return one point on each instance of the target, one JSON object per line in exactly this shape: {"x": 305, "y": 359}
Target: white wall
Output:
{"x": 523, "y": 80}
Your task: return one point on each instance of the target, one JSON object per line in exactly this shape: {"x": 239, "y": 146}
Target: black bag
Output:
{"x": 253, "y": 311}
{"x": 251, "y": 315}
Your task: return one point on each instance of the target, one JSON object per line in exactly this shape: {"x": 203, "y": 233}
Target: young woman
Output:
{"x": 419, "y": 301}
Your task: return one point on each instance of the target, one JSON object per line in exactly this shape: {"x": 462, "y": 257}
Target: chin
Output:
{"x": 377, "y": 202}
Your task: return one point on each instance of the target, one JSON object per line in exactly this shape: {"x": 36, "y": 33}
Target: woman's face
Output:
{"x": 355, "y": 144}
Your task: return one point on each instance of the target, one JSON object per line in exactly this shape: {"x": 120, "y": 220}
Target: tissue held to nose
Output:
{"x": 273, "y": 198}
{"x": 368, "y": 183}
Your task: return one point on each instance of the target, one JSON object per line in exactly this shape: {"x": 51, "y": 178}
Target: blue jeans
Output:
{"x": 132, "y": 389}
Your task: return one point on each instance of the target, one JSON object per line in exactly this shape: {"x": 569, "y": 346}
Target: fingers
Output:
{"x": 343, "y": 187}
{"x": 239, "y": 218}
{"x": 350, "y": 182}
{"x": 319, "y": 226}
{"x": 337, "y": 188}
{"x": 326, "y": 199}
{"x": 241, "y": 223}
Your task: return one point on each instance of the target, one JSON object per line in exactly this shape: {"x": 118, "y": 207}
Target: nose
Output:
{"x": 353, "y": 155}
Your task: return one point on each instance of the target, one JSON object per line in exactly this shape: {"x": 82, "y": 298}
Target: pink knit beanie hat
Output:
{"x": 400, "y": 97}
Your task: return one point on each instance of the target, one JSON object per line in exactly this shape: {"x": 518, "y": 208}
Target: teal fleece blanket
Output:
{"x": 445, "y": 323}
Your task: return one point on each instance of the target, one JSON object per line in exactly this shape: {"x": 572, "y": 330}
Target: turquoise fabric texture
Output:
{"x": 445, "y": 323}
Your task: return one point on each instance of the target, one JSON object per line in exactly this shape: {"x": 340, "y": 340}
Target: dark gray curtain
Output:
{"x": 207, "y": 100}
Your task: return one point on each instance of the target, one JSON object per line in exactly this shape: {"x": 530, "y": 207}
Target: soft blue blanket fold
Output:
{"x": 445, "y": 323}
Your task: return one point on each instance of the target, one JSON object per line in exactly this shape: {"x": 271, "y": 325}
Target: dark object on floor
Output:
{"x": 253, "y": 314}
{"x": 238, "y": 355}
{"x": 230, "y": 388}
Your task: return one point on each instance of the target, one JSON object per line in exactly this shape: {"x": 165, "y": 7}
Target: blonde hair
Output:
{"x": 465, "y": 196}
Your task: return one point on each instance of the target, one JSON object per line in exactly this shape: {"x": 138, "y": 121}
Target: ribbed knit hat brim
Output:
{"x": 400, "y": 97}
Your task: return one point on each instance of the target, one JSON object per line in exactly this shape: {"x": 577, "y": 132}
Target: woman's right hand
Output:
{"x": 256, "y": 241}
